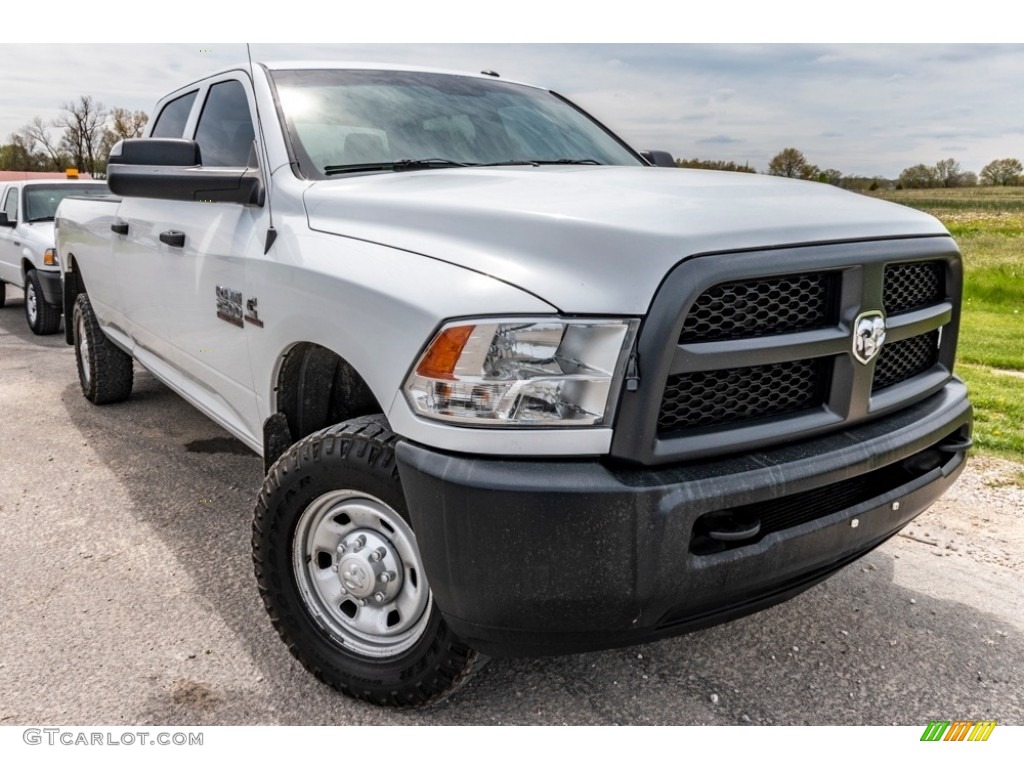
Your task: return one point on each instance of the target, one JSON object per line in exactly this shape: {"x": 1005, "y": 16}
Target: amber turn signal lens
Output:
{"x": 443, "y": 354}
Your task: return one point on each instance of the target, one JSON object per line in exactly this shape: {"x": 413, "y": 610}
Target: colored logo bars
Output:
{"x": 958, "y": 730}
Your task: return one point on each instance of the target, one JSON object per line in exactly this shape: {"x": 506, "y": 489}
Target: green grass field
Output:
{"x": 988, "y": 225}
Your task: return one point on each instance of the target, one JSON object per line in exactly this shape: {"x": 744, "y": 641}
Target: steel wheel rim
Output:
{"x": 334, "y": 576}
{"x": 83, "y": 349}
{"x": 30, "y": 302}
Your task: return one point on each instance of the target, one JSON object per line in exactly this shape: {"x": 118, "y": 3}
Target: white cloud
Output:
{"x": 866, "y": 109}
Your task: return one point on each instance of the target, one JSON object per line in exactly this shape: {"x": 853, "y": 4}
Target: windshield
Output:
{"x": 41, "y": 200}
{"x": 344, "y": 121}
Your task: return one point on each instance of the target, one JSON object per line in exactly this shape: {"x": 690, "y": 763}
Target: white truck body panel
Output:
{"x": 525, "y": 240}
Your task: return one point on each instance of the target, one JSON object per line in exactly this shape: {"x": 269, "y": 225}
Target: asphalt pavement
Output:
{"x": 129, "y": 598}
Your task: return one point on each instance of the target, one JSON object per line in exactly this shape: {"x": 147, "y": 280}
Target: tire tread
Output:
{"x": 47, "y": 315}
{"x": 111, "y": 367}
{"x": 364, "y": 442}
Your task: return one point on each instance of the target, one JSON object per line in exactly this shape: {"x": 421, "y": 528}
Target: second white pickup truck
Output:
{"x": 27, "y": 255}
{"x": 517, "y": 390}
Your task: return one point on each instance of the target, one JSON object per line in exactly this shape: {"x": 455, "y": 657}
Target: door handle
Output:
{"x": 173, "y": 238}
{"x": 120, "y": 228}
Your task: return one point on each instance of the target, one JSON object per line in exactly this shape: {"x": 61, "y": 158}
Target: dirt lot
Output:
{"x": 129, "y": 597}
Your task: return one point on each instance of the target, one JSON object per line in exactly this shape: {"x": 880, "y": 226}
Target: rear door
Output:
{"x": 184, "y": 267}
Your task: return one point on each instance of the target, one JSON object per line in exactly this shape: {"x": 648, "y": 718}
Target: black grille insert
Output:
{"x": 730, "y": 395}
{"x": 761, "y": 307}
{"x": 913, "y": 285}
{"x": 902, "y": 360}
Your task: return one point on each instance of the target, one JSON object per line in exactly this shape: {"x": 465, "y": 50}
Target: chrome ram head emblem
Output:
{"x": 868, "y": 335}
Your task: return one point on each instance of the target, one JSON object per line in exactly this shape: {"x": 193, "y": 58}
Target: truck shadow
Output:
{"x": 857, "y": 649}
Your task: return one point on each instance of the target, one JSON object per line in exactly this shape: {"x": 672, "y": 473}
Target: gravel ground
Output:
{"x": 980, "y": 520}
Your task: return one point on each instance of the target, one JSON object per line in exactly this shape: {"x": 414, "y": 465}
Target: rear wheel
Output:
{"x": 104, "y": 370}
{"x": 43, "y": 318}
{"x": 341, "y": 575}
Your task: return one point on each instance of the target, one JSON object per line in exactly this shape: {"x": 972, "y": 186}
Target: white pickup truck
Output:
{"x": 517, "y": 390}
{"x": 27, "y": 256}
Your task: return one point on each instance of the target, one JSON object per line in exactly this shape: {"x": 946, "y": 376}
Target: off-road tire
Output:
{"x": 104, "y": 369}
{"x": 351, "y": 463}
{"x": 42, "y": 317}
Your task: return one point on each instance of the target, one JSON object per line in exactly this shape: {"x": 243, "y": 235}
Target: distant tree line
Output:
{"x": 715, "y": 165}
{"x": 85, "y": 133}
{"x": 1006, "y": 172}
{"x": 792, "y": 163}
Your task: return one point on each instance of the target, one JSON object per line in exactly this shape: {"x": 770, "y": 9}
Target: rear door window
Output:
{"x": 172, "y": 119}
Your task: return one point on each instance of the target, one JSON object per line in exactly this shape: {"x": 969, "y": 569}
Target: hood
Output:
{"x": 39, "y": 233}
{"x": 592, "y": 239}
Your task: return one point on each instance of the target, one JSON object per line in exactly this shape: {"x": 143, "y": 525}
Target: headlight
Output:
{"x": 522, "y": 372}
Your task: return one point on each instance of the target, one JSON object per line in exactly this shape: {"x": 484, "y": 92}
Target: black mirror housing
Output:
{"x": 5, "y": 222}
{"x": 179, "y": 153}
{"x": 172, "y": 169}
{"x": 659, "y": 158}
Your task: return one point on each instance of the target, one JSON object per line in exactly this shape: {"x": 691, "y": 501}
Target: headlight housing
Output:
{"x": 523, "y": 372}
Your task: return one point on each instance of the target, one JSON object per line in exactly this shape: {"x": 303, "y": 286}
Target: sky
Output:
{"x": 861, "y": 108}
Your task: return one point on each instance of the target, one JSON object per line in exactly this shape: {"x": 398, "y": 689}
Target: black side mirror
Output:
{"x": 659, "y": 158}
{"x": 5, "y": 222}
{"x": 172, "y": 169}
{"x": 178, "y": 153}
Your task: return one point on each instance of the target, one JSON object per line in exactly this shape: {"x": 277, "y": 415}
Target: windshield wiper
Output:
{"x": 40, "y": 218}
{"x": 559, "y": 161}
{"x": 510, "y": 162}
{"x": 396, "y": 165}
{"x": 570, "y": 161}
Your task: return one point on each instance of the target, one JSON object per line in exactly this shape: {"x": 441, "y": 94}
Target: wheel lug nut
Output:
{"x": 334, "y": 567}
{"x": 378, "y": 554}
{"x": 359, "y": 543}
{"x": 387, "y": 576}
{"x": 379, "y": 597}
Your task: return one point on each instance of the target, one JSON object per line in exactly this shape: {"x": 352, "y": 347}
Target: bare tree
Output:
{"x": 83, "y": 126}
{"x": 37, "y": 134}
{"x": 792, "y": 164}
{"x": 948, "y": 173}
{"x": 125, "y": 124}
{"x": 919, "y": 176}
{"x": 1003, "y": 173}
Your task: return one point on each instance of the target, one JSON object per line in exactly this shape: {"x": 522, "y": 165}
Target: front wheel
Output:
{"x": 341, "y": 576}
{"x": 104, "y": 370}
{"x": 43, "y": 318}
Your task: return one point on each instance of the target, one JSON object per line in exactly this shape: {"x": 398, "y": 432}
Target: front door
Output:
{"x": 184, "y": 267}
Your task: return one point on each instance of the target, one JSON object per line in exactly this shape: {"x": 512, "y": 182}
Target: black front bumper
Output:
{"x": 539, "y": 557}
{"x": 50, "y": 283}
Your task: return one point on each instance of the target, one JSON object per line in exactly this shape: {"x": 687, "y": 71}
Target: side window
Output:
{"x": 171, "y": 122}
{"x": 11, "y": 205}
{"x": 225, "y": 131}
